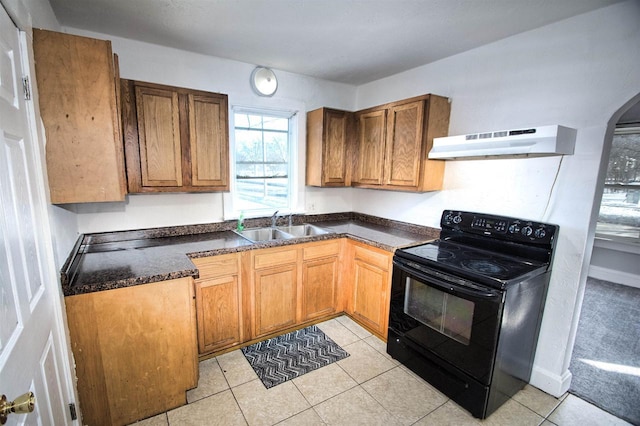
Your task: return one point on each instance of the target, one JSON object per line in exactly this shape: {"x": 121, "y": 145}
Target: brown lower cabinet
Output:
{"x": 292, "y": 285}
{"x": 246, "y": 296}
{"x": 135, "y": 350}
{"x": 370, "y": 280}
{"x": 320, "y": 279}
{"x": 274, "y": 288}
{"x": 249, "y": 296}
{"x": 220, "y": 303}
{"x": 135, "y": 347}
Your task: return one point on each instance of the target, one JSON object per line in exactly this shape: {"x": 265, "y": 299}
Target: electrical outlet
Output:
{"x": 311, "y": 207}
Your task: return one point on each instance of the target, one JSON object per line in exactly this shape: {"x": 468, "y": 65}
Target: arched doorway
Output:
{"x": 605, "y": 362}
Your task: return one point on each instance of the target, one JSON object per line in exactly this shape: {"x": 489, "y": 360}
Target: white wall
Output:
{"x": 616, "y": 261}
{"x": 577, "y": 73}
{"x": 29, "y": 14}
{"x": 147, "y": 62}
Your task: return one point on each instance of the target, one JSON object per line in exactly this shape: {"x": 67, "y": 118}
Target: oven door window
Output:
{"x": 447, "y": 314}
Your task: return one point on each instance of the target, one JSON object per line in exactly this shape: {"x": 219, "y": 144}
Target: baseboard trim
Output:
{"x": 549, "y": 382}
{"x": 617, "y": 277}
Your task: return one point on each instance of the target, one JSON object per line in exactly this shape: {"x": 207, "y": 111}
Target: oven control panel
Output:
{"x": 502, "y": 227}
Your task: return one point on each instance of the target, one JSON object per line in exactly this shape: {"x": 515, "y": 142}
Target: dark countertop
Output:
{"x": 113, "y": 260}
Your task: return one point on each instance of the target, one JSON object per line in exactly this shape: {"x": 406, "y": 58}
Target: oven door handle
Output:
{"x": 447, "y": 284}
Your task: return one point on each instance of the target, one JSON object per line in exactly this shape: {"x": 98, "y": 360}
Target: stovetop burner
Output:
{"x": 476, "y": 263}
{"x": 483, "y": 266}
{"x": 432, "y": 252}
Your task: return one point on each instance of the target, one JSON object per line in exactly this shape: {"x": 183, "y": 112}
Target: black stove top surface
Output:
{"x": 484, "y": 266}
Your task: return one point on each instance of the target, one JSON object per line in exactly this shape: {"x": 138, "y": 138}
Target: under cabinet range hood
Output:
{"x": 526, "y": 142}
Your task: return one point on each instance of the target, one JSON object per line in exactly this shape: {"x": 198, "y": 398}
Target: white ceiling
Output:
{"x": 349, "y": 41}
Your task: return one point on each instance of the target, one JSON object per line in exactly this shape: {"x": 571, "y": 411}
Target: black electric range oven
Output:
{"x": 466, "y": 308}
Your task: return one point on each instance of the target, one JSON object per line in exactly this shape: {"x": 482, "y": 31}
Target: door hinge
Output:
{"x": 26, "y": 88}
{"x": 72, "y": 409}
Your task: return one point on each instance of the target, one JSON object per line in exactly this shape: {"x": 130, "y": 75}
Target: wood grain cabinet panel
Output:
{"x": 209, "y": 141}
{"x": 369, "y": 165}
{"x": 394, "y": 141}
{"x": 274, "y": 288}
{"x": 176, "y": 139}
{"x": 135, "y": 350}
{"x": 320, "y": 279}
{"x": 293, "y": 285}
{"x": 219, "y": 313}
{"x": 77, "y": 88}
{"x": 219, "y": 303}
{"x": 275, "y": 298}
{"x": 159, "y": 137}
{"x": 404, "y": 144}
{"x": 370, "y": 281}
{"x": 328, "y": 155}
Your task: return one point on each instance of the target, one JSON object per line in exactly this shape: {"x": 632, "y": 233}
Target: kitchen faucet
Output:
{"x": 274, "y": 218}
{"x": 290, "y": 220}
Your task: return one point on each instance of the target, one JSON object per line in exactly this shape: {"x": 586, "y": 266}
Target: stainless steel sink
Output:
{"x": 304, "y": 230}
{"x": 264, "y": 234}
{"x": 282, "y": 232}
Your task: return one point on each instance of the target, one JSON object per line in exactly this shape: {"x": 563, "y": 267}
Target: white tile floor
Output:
{"x": 367, "y": 388}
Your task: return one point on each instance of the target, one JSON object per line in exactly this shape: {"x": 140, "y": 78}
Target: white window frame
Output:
{"x": 295, "y": 166}
{"x": 613, "y": 235}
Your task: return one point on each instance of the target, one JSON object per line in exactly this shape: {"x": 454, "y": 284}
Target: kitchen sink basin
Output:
{"x": 282, "y": 232}
{"x": 304, "y": 230}
{"x": 264, "y": 234}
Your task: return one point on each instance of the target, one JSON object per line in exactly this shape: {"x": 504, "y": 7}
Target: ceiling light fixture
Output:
{"x": 263, "y": 81}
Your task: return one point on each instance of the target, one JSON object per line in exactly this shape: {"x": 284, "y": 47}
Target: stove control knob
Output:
{"x": 514, "y": 229}
{"x": 527, "y": 231}
{"x": 540, "y": 233}
{"x": 457, "y": 219}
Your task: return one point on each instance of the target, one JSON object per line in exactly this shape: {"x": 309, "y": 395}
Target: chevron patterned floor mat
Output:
{"x": 291, "y": 355}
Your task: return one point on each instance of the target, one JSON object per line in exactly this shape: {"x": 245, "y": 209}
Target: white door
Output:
{"x": 31, "y": 339}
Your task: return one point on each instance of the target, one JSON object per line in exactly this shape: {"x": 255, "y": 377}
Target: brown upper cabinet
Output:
{"x": 393, "y": 143}
{"x": 328, "y": 135}
{"x": 78, "y": 87}
{"x": 369, "y": 168}
{"x": 176, "y": 139}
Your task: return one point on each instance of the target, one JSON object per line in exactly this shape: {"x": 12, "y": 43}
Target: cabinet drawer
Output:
{"x": 266, "y": 258}
{"x": 381, "y": 260}
{"x": 316, "y": 251}
{"x": 216, "y": 266}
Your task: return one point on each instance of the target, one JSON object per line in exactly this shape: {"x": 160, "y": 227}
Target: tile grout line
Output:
{"x": 359, "y": 385}
{"x": 359, "y": 336}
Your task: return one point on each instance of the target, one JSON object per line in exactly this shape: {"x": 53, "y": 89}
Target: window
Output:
{"x": 620, "y": 206}
{"x": 264, "y": 149}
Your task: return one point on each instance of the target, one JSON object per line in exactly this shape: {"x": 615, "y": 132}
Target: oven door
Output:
{"x": 443, "y": 315}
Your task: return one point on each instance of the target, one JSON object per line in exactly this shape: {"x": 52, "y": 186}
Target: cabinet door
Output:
{"x": 370, "y": 283}
{"x": 371, "y": 287}
{"x": 328, "y": 132}
{"x": 404, "y": 144}
{"x": 77, "y": 95}
{"x": 176, "y": 139}
{"x": 159, "y": 136}
{"x": 275, "y": 296}
{"x": 370, "y": 149}
{"x": 219, "y": 313}
{"x": 334, "y": 158}
{"x": 208, "y": 140}
{"x": 319, "y": 285}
